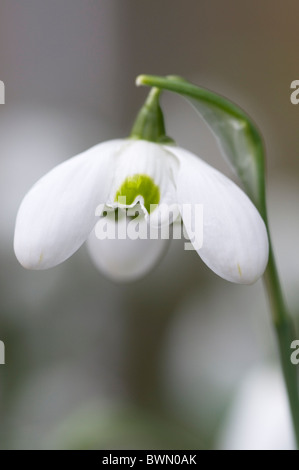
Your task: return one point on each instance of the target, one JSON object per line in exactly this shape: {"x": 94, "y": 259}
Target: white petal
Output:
{"x": 235, "y": 241}
{"x": 140, "y": 157}
{"x": 124, "y": 259}
{"x": 58, "y": 213}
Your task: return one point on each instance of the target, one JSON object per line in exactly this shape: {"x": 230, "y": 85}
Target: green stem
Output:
{"x": 285, "y": 333}
{"x": 284, "y": 328}
{"x": 149, "y": 123}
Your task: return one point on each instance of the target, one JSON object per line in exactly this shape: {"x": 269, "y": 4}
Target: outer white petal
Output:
{"x": 58, "y": 213}
{"x": 235, "y": 241}
{"x": 151, "y": 159}
{"x": 125, "y": 259}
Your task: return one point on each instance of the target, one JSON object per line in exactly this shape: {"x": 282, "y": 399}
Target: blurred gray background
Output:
{"x": 155, "y": 364}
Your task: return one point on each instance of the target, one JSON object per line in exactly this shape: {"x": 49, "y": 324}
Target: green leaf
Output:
{"x": 237, "y": 136}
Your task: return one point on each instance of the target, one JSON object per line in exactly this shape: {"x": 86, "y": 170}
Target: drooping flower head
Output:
{"x": 149, "y": 175}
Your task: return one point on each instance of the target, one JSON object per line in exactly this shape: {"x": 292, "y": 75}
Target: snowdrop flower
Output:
{"x": 62, "y": 209}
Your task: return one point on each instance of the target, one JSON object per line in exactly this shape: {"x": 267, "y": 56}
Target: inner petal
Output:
{"x": 143, "y": 174}
{"x": 139, "y": 185}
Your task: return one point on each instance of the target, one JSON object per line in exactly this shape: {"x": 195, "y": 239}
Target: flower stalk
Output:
{"x": 149, "y": 124}
{"x": 285, "y": 332}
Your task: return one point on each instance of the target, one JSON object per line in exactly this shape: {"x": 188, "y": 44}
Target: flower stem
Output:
{"x": 149, "y": 124}
{"x": 285, "y": 333}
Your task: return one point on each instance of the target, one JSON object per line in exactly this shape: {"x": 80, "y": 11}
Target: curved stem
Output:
{"x": 285, "y": 333}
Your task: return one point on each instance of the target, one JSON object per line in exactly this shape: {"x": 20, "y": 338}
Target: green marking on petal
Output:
{"x": 139, "y": 185}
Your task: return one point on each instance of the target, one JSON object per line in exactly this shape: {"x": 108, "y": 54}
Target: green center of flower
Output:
{"x": 139, "y": 185}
